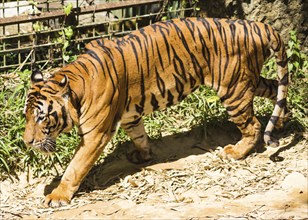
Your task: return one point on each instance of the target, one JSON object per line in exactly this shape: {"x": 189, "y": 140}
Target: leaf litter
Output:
{"x": 196, "y": 186}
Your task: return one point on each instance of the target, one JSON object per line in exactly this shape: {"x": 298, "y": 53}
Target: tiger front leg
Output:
{"x": 135, "y": 129}
{"x": 83, "y": 160}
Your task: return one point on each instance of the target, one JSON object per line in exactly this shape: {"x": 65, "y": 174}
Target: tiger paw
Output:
{"x": 230, "y": 152}
{"x": 58, "y": 197}
{"x": 138, "y": 158}
{"x": 273, "y": 143}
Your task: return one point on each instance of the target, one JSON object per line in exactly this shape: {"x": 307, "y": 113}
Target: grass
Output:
{"x": 203, "y": 106}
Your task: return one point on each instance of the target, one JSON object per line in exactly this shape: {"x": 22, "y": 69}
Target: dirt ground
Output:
{"x": 186, "y": 180}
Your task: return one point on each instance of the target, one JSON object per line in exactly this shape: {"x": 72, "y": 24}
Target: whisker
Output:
{"x": 47, "y": 145}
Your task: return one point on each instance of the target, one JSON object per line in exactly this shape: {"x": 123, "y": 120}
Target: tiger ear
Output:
{"x": 64, "y": 82}
{"x": 65, "y": 86}
{"x": 36, "y": 76}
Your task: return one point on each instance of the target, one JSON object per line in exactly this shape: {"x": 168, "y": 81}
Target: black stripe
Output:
{"x": 182, "y": 37}
{"x": 160, "y": 83}
{"x": 135, "y": 37}
{"x": 241, "y": 95}
{"x": 206, "y": 24}
{"x": 274, "y": 119}
{"x": 136, "y": 54}
{"x": 111, "y": 78}
{"x": 96, "y": 57}
{"x": 50, "y": 90}
{"x": 232, "y": 88}
{"x": 205, "y": 50}
{"x": 138, "y": 137}
{"x": 219, "y": 26}
{"x": 191, "y": 27}
{"x": 232, "y": 27}
{"x": 170, "y": 99}
{"x": 241, "y": 111}
{"x": 64, "y": 117}
{"x": 84, "y": 66}
{"x": 178, "y": 62}
{"x": 219, "y": 71}
{"x": 159, "y": 56}
{"x": 258, "y": 31}
{"x": 193, "y": 82}
{"x": 179, "y": 87}
{"x": 145, "y": 44}
{"x": 96, "y": 70}
{"x": 100, "y": 42}
{"x": 214, "y": 42}
{"x": 249, "y": 120}
{"x": 77, "y": 67}
{"x": 154, "y": 102}
{"x": 140, "y": 108}
{"x": 131, "y": 124}
{"x": 227, "y": 52}
{"x": 56, "y": 118}
{"x": 284, "y": 81}
{"x": 126, "y": 75}
{"x": 166, "y": 41}
{"x": 282, "y": 103}
{"x": 231, "y": 108}
{"x": 256, "y": 55}
{"x": 50, "y": 106}
{"x": 283, "y": 63}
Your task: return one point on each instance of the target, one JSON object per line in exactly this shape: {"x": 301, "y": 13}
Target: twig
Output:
{"x": 23, "y": 63}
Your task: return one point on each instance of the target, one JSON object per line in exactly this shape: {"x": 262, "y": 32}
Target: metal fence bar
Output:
{"x": 90, "y": 9}
{"x": 42, "y": 47}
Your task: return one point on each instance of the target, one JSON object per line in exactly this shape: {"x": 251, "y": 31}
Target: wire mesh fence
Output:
{"x": 49, "y": 32}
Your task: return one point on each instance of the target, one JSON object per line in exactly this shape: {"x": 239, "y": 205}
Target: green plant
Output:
{"x": 65, "y": 37}
{"x": 14, "y": 155}
{"x": 39, "y": 26}
{"x": 298, "y": 89}
{"x": 203, "y": 106}
{"x": 12, "y": 97}
{"x": 298, "y": 63}
{"x": 199, "y": 107}
{"x": 169, "y": 9}
{"x": 68, "y": 8}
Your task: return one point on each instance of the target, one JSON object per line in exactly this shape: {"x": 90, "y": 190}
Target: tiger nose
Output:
{"x": 28, "y": 141}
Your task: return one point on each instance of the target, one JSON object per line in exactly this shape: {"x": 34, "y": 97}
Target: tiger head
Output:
{"x": 46, "y": 111}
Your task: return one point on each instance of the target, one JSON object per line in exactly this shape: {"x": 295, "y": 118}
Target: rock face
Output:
{"x": 283, "y": 15}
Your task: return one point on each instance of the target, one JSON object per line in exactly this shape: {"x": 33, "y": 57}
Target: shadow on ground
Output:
{"x": 173, "y": 147}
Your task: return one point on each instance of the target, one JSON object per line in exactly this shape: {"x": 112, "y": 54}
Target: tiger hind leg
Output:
{"x": 241, "y": 113}
{"x": 135, "y": 130}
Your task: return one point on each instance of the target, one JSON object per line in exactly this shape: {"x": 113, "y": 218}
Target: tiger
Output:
{"x": 114, "y": 83}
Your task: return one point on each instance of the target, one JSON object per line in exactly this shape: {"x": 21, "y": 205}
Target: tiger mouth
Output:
{"x": 47, "y": 145}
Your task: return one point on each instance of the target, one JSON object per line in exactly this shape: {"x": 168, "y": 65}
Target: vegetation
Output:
{"x": 203, "y": 106}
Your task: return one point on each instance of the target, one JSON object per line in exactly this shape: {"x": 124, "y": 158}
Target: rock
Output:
{"x": 296, "y": 186}
{"x": 274, "y": 12}
{"x": 295, "y": 180}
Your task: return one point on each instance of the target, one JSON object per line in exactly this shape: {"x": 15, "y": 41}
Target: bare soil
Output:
{"x": 187, "y": 179}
